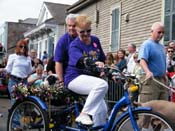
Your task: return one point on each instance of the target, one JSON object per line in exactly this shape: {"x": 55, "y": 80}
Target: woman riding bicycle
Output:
{"x": 82, "y": 82}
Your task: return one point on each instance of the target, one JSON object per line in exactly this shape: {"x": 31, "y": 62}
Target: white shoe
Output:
{"x": 84, "y": 119}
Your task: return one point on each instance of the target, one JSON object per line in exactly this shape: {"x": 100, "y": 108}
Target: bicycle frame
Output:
{"x": 72, "y": 109}
{"x": 39, "y": 101}
{"x": 112, "y": 120}
{"x": 122, "y": 102}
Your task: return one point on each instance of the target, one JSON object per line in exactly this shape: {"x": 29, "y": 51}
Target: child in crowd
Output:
{"x": 138, "y": 71}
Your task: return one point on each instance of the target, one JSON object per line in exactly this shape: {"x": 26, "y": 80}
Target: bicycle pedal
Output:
{"x": 17, "y": 129}
{"x": 87, "y": 127}
{"x": 51, "y": 125}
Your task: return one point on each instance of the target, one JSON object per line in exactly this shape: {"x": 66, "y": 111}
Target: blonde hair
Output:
{"x": 83, "y": 19}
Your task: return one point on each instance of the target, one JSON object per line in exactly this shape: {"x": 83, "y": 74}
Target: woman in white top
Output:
{"x": 18, "y": 66}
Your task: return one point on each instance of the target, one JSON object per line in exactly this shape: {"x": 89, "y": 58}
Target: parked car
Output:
{"x": 4, "y": 84}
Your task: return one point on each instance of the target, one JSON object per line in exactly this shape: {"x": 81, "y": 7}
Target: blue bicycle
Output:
{"x": 33, "y": 114}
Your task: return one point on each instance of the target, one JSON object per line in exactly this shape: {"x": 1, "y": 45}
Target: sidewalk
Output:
{"x": 4, "y": 106}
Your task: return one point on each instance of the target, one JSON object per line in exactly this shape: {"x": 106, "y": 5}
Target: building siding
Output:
{"x": 142, "y": 14}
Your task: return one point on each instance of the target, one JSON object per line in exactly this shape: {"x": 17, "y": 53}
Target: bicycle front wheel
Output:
{"x": 145, "y": 119}
{"x": 27, "y": 116}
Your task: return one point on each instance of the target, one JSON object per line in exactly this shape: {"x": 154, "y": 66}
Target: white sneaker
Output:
{"x": 84, "y": 119}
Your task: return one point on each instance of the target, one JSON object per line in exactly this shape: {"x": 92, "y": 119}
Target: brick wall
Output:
{"x": 15, "y": 33}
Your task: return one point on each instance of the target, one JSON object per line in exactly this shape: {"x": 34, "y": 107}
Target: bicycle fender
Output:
{"x": 127, "y": 113}
{"x": 39, "y": 101}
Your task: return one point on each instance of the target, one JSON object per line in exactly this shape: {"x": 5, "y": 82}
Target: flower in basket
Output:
{"x": 20, "y": 91}
{"x": 50, "y": 89}
{"x": 40, "y": 91}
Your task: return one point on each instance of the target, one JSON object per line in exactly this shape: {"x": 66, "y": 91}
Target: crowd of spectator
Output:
{"x": 152, "y": 59}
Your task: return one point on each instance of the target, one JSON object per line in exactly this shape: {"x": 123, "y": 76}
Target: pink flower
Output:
{"x": 95, "y": 45}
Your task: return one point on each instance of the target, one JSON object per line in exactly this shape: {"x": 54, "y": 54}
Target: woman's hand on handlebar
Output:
{"x": 100, "y": 64}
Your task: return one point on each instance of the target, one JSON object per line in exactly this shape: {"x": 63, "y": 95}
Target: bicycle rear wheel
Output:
{"x": 145, "y": 119}
{"x": 27, "y": 116}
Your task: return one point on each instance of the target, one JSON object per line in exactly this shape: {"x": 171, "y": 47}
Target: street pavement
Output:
{"x": 4, "y": 106}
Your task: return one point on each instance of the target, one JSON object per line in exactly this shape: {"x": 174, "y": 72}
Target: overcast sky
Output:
{"x": 13, "y": 10}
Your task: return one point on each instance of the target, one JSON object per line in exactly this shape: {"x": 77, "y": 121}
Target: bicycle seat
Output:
{"x": 71, "y": 93}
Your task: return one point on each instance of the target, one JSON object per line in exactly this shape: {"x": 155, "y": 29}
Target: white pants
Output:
{"x": 96, "y": 89}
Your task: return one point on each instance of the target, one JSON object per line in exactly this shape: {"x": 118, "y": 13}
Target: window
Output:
{"x": 173, "y": 5}
{"x": 173, "y": 26}
{"x": 45, "y": 45}
{"x": 169, "y": 20}
{"x": 114, "y": 28}
{"x": 39, "y": 49}
{"x": 51, "y": 47}
{"x": 31, "y": 46}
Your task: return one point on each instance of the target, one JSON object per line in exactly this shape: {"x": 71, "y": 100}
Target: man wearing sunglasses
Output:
{"x": 61, "y": 51}
{"x": 172, "y": 45}
{"x": 153, "y": 61}
{"x": 169, "y": 59}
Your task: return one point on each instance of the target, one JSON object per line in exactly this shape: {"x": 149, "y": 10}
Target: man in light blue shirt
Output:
{"x": 153, "y": 61}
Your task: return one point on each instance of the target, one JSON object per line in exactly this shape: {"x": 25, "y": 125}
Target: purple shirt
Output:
{"x": 61, "y": 51}
{"x": 77, "y": 50}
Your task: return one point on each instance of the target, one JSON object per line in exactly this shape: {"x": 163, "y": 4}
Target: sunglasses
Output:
{"x": 171, "y": 51}
{"x": 22, "y": 47}
{"x": 83, "y": 31}
{"x": 159, "y": 32}
{"x": 71, "y": 26}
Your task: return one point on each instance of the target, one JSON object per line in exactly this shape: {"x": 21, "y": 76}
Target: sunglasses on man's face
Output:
{"x": 170, "y": 51}
{"x": 83, "y": 31}
{"x": 160, "y": 32}
{"x": 71, "y": 26}
{"x": 22, "y": 47}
